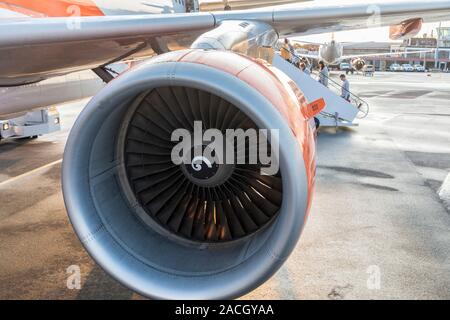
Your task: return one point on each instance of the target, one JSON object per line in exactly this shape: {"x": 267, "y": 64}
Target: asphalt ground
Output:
{"x": 379, "y": 226}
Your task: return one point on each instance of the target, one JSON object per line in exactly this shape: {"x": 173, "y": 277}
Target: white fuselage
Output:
{"x": 331, "y": 52}
{"x": 16, "y": 101}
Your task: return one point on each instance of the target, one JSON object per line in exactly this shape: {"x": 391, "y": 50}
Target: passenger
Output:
{"x": 285, "y": 50}
{"x": 305, "y": 69}
{"x": 324, "y": 74}
{"x": 345, "y": 89}
{"x": 306, "y": 62}
{"x": 294, "y": 58}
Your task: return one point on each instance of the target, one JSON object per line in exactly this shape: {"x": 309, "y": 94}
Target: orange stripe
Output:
{"x": 23, "y": 11}
{"x": 53, "y": 8}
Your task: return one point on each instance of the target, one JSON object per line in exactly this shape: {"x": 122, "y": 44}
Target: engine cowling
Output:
{"x": 405, "y": 30}
{"x": 358, "y": 64}
{"x": 152, "y": 225}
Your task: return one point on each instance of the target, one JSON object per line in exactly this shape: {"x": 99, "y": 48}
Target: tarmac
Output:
{"x": 379, "y": 227}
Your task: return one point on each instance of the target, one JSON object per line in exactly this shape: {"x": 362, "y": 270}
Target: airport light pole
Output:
{"x": 436, "y": 53}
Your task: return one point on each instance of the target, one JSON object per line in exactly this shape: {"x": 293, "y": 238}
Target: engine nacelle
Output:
{"x": 405, "y": 30}
{"x": 162, "y": 229}
{"x": 358, "y": 64}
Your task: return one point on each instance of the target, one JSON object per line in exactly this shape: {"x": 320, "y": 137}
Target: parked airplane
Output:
{"x": 165, "y": 230}
{"x": 333, "y": 53}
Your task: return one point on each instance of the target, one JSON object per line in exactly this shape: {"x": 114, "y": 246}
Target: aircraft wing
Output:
{"x": 38, "y": 48}
{"x": 385, "y": 54}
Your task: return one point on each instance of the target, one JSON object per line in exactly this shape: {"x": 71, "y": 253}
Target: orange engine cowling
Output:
{"x": 406, "y": 29}
{"x": 358, "y": 64}
{"x": 172, "y": 231}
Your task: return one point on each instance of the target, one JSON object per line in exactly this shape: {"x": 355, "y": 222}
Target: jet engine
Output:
{"x": 176, "y": 231}
{"x": 358, "y": 64}
{"x": 405, "y": 30}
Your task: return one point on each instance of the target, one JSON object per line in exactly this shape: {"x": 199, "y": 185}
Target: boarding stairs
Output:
{"x": 338, "y": 111}
{"x": 356, "y": 101}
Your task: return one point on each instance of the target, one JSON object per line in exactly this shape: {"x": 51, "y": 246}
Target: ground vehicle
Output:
{"x": 419, "y": 68}
{"x": 32, "y": 124}
{"x": 395, "y": 67}
{"x": 368, "y": 70}
{"x": 407, "y": 67}
{"x": 347, "y": 67}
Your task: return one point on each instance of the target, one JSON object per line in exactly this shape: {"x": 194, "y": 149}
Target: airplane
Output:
{"x": 171, "y": 231}
{"x": 332, "y": 53}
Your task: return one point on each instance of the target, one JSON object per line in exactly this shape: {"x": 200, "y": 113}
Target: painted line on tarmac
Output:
{"x": 29, "y": 173}
{"x": 444, "y": 192}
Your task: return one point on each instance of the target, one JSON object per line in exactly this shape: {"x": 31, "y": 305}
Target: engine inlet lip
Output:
{"x": 113, "y": 256}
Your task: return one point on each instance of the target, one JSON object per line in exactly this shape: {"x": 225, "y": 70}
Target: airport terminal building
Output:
{"x": 439, "y": 59}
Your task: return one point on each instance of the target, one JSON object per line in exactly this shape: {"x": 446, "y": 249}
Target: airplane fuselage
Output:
{"x": 331, "y": 52}
{"x": 16, "y": 101}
